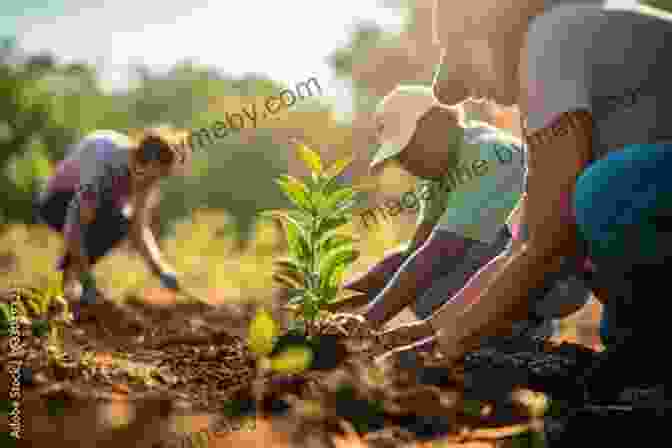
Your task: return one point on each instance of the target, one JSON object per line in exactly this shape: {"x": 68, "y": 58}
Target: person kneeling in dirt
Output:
{"x": 100, "y": 194}
{"x": 597, "y": 188}
{"x": 472, "y": 175}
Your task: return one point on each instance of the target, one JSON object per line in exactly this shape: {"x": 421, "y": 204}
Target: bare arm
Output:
{"x": 142, "y": 235}
{"x": 375, "y": 279}
{"x": 416, "y": 271}
{"x": 556, "y": 158}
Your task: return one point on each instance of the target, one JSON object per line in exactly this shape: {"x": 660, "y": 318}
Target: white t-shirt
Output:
{"x": 612, "y": 62}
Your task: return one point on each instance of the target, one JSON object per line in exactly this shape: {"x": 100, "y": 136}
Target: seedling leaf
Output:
{"x": 296, "y": 300}
{"x": 332, "y": 242}
{"x": 262, "y": 333}
{"x": 333, "y": 260}
{"x": 337, "y": 275}
{"x": 296, "y": 239}
{"x": 335, "y": 200}
{"x": 338, "y": 166}
{"x": 330, "y": 224}
{"x": 310, "y": 158}
{"x": 6, "y": 312}
{"x": 295, "y": 190}
{"x": 293, "y": 360}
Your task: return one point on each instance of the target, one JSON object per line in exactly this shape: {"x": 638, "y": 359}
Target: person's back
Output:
{"x": 621, "y": 53}
{"x": 88, "y": 200}
{"x": 99, "y": 152}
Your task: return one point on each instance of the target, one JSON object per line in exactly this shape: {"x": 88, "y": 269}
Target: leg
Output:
{"x": 621, "y": 205}
{"x": 106, "y": 232}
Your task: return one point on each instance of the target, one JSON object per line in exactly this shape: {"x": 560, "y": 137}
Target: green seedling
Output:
{"x": 39, "y": 302}
{"x": 263, "y": 334}
{"x": 318, "y": 254}
{"x": 6, "y": 318}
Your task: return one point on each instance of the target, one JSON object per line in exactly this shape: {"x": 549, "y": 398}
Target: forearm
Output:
{"x": 376, "y": 277}
{"x": 474, "y": 287}
{"x": 149, "y": 249}
{"x": 398, "y": 293}
{"x": 76, "y": 225}
{"x": 415, "y": 276}
{"x": 505, "y": 299}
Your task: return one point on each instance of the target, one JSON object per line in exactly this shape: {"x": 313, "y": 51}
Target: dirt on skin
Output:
{"x": 165, "y": 375}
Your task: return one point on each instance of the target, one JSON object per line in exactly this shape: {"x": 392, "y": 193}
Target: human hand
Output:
{"x": 72, "y": 290}
{"x": 452, "y": 345}
{"x": 408, "y": 356}
{"x": 169, "y": 280}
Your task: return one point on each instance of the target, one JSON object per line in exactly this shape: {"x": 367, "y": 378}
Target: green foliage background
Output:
{"x": 46, "y": 105}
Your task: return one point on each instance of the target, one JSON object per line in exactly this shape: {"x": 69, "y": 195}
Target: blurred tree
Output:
{"x": 235, "y": 175}
{"x": 662, "y": 4}
{"x": 29, "y": 130}
{"x": 48, "y": 105}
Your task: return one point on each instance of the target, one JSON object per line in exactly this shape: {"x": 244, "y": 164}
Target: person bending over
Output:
{"x": 100, "y": 194}
{"x": 591, "y": 82}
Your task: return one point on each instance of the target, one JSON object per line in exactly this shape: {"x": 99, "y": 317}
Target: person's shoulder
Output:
{"x": 478, "y": 132}
{"x": 115, "y": 138}
{"x": 567, "y": 21}
{"x": 569, "y": 14}
{"x": 565, "y": 26}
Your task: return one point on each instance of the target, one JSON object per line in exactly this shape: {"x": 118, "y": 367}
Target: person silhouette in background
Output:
{"x": 100, "y": 194}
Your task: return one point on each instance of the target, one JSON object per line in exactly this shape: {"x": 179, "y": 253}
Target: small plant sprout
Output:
{"x": 40, "y": 304}
{"x": 263, "y": 334}
{"x": 318, "y": 254}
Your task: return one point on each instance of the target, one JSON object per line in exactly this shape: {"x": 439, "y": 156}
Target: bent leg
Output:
{"x": 106, "y": 232}
{"x": 622, "y": 205}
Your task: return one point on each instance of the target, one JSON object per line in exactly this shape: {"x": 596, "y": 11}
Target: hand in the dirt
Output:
{"x": 73, "y": 290}
{"x": 169, "y": 281}
{"x": 404, "y": 335}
